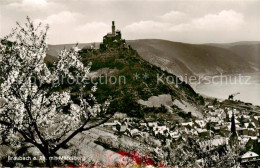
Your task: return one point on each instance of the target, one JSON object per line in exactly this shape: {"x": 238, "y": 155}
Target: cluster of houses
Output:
{"x": 247, "y": 126}
{"x": 213, "y": 130}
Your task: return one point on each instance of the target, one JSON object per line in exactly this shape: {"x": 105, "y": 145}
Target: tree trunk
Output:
{"x": 48, "y": 162}
{"x": 47, "y": 159}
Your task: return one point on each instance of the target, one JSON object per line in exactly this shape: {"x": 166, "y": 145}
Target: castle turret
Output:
{"x": 113, "y": 28}
{"x": 113, "y": 40}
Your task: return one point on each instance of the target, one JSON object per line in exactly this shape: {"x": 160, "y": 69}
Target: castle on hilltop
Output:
{"x": 113, "y": 40}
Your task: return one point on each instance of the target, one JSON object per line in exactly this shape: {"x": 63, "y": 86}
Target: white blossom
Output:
{"x": 32, "y": 101}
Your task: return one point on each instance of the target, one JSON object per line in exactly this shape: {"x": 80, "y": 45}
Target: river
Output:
{"x": 222, "y": 87}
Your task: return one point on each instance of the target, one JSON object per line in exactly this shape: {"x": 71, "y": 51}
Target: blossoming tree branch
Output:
{"x": 37, "y": 108}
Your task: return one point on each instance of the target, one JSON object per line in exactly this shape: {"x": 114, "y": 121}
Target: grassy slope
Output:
{"x": 127, "y": 63}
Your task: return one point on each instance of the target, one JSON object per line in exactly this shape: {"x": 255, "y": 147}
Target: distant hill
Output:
{"x": 198, "y": 59}
{"x": 248, "y": 50}
{"x": 53, "y": 50}
{"x": 191, "y": 59}
{"x": 228, "y": 45}
{"x": 251, "y": 53}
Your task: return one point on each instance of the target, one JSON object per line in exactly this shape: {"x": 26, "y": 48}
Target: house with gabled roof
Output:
{"x": 201, "y": 123}
{"x": 249, "y": 158}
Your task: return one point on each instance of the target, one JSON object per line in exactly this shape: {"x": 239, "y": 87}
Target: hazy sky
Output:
{"x": 193, "y": 21}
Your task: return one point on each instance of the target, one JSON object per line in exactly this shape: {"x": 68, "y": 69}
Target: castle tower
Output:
{"x": 113, "y": 28}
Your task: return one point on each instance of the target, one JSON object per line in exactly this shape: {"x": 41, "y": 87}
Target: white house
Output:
{"x": 201, "y": 123}
{"x": 187, "y": 123}
{"x": 160, "y": 129}
{"x": 249, "y": 157}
